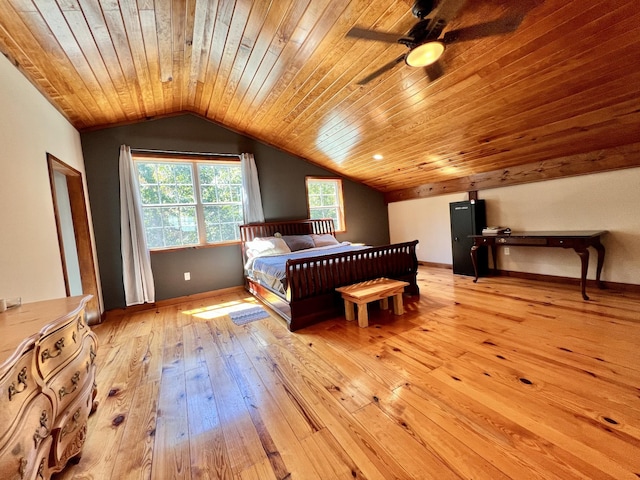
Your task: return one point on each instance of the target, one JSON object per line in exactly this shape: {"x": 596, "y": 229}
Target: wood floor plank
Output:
{"x": 171, "y": 453}
{"x": 241, "y": 438}
{"x": 506, "y": 378}
{"x": 135, "y": 452}
{"x": 208, "y": 453}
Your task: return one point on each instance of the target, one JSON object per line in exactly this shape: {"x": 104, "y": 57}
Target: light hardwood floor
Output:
{"x": 507, "y": 378}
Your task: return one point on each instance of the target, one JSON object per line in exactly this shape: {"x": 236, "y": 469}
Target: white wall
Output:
{"x": 605, "y": 201}
{"x": 30, "y": 127}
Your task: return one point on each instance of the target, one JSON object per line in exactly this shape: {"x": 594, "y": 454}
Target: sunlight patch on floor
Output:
{"x": 221, "y": 309}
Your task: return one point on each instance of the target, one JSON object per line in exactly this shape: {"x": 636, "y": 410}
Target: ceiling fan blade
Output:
{"x": 500, "y": 26}
{"x": 381, "y": 70}
{"x": 357, "y": 32}
{"x": 434, "y": 71}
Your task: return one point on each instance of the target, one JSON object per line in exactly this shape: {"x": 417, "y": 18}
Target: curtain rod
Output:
{"x": 173, "y": 152}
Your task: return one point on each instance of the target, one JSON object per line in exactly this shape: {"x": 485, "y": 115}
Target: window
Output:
{"x": 186, "y": 203}
{"x": 324, "y": 198}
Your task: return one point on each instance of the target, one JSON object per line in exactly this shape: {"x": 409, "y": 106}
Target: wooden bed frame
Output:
{"x": 312, "y": 281}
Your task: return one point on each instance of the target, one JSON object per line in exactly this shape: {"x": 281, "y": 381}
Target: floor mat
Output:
{"x": 247, "y": 313}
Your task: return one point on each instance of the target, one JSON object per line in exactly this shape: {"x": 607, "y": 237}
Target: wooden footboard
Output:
{"x": 312, "y": 282}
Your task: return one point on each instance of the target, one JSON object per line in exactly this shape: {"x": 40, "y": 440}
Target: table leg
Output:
{"x": 494, "y": 256}
{"x": 600, "y": 249}
{"x": 384, "y": 303}
{"x": 584, "y": 258}
{"x": 398, "y": 306}
{"x": 348, "y": 310}
{"x": 363, "y": 317}
{"x": 474, "y": 260}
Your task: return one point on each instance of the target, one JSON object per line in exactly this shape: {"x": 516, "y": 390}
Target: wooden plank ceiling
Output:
{"x": 560, "y": 95}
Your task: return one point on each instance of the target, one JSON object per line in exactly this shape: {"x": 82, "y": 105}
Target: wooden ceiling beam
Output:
{"x": 615, "y": 158}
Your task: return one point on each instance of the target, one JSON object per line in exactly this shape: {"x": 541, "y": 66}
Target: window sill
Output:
{"x": 193, "y": 247}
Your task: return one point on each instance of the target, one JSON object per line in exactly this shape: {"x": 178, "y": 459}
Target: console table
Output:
{"x": 580, "y": 241}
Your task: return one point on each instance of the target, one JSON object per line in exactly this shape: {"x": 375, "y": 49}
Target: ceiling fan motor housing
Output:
{"x": 422, "y": 8}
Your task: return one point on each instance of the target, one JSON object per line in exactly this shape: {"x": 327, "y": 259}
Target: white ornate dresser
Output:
{"x": 47, "y": 386}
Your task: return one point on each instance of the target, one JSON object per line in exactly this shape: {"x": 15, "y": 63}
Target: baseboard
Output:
{"x": 172, "y": 301}
{"x": 622, "y": 287}
{"x": 436, "y": 265}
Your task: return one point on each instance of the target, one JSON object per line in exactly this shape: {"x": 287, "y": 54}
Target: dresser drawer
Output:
{"x": 58, "y": 347}
{"x": 68, "y": 383}
{"x": 71, "y": 429}
{"x": 22, "y": 454}
{"x": 17, "y": 387}
{"x": 529, "y": 241}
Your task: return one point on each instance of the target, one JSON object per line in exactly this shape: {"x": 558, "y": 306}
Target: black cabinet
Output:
{"x": 467, "y": 218}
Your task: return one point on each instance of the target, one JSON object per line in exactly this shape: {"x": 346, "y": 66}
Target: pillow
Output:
{"x": 324, "y": 240}
{"x": 298, "y": 242}
{"x": 266, "y": 246}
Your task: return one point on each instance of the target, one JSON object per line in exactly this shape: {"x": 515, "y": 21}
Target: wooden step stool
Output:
{"x": 370, "y": 291}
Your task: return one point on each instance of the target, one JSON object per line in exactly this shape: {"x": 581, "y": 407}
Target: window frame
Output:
{"x": 194, "y": 160}
{"x": 340, "y": 197}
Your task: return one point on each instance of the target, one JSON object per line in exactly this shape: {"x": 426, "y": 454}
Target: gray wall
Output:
{"x": 282, "y": 182}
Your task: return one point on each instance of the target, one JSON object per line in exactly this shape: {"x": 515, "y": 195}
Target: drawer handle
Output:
{"x": 41, "y": 468}
{"x": 22, "y": 468}
{"x": 75, "y": 380}
{"x": 38, "y": 436}
{"x": 59, "y": 346}
{"x": 75, "y": 418}
{"x": 22, "y": 380}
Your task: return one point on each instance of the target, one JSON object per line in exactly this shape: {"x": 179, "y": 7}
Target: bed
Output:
{"x": 300, "y": 284}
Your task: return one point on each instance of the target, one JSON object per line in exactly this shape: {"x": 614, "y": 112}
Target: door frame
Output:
{"x": 82, "y": 233}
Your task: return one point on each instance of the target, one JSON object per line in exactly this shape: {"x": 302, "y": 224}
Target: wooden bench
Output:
{"x": 370, "y": 291}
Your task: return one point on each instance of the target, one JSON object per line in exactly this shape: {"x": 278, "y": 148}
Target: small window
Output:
{"x": 187, "y": 203}
{"x": 324, "y": 199}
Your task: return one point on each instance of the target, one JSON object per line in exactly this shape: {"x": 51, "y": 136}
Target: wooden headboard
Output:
{"x": 287, "y": 227}
{"x": 290, "y": 227}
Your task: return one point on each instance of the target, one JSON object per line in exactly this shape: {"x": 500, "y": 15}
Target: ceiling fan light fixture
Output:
{"x": 425, "y": 54}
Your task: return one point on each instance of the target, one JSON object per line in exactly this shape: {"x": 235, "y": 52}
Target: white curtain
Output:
{"x": 251, "y": 199}
{"x": 136, "y": 262}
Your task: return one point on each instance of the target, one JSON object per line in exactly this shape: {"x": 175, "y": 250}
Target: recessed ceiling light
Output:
{"x": 377, "y": 156}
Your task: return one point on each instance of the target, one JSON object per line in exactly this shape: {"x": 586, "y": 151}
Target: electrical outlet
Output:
{"x": 187, "y": 276}
{"x": 506, "y": 251}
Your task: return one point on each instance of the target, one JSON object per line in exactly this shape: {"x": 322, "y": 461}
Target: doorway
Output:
{"x": 74, "y": 238}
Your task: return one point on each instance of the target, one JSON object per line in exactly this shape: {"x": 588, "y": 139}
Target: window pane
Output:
{"x": 183, "y": 174}
{"x": 149, "y": 194}
{"x": 167, "y": 194}
{"x": 315, "y": 201}
{"x": 146, "y": 173}
{"x": 152, "y": 217}
{"x": 329, "y": 200}
{"x": 208, "y": 193}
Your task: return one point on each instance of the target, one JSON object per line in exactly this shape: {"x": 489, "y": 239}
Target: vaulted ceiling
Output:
{"x": 556, "y": 93}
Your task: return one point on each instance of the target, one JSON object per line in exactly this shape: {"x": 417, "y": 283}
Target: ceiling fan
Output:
{"x": 425, "y": 44}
